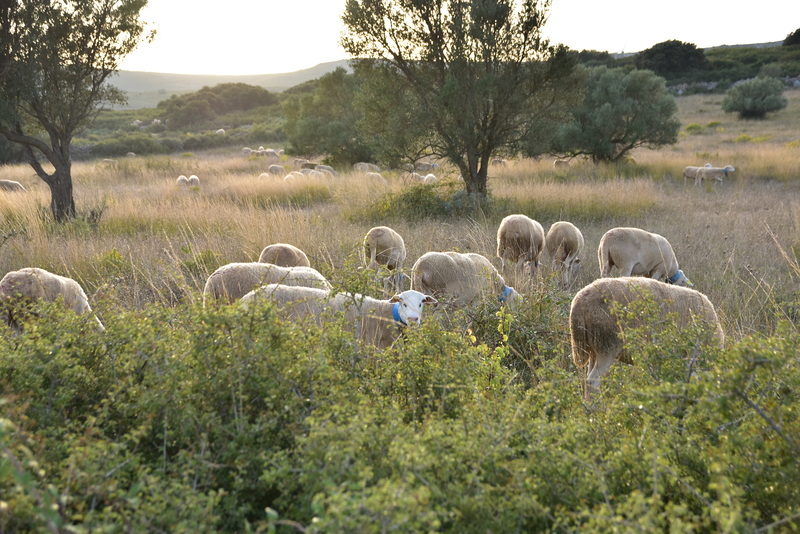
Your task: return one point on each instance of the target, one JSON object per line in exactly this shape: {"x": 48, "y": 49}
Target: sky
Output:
{"x": 274, "y": 36}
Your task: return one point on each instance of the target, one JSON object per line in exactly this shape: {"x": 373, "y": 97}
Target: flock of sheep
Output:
{"x": 284, "y": 276}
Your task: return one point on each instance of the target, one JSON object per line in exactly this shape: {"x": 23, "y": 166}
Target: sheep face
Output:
{"x": 408, "y": 306}
{"x": 680, "y": 279}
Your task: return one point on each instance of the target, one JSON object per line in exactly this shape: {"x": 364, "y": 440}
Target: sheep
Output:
{"x": 464, "y": 278}
{"x": 277, "y": 170}
{"x": 691, "y": 172}
{"x": 308, "y": 165}
{"x": 712, "y": 173}
{"x": 232, "y": 281}
{"x": 325, "y": 168}
{"x": 264, "y": 175}
{"x": 271, "y": 153}
{"x": 429, "y": 179}
{"x": 560, "y": 163}
{"x": 247, "y": 151}
{"x": 638, "y": 252}
{"x": 596, "y": 333}
{"x": 32, "y": 283}
{"x": 11, "y": 185}
{"x": 384, "y": 246}
{"x": 423, "y": 166}
{"x": 221, "y": 131}
{"x": 193, "y": 181}
{"x": 564, "y": 242}
{"x": 366, "y": 167}
{"x": 520, "y": 239}
{"x": 131, "y": 154}
{"x": 284, "y": 255}
{"x": 376, "y": 176}
{"x": 297, "y": 162}
{"x": 182, "y": 181}
{"x": 377, "y": 322}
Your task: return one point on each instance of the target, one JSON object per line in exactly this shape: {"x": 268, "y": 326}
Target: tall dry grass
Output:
{"x": 155, "y": 243}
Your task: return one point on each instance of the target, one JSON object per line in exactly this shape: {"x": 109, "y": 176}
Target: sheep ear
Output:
{"x": 396, "y": 298}
{"x": 430, "y": 300}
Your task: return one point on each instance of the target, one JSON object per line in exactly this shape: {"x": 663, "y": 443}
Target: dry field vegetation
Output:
{"x": 141, "y": 240}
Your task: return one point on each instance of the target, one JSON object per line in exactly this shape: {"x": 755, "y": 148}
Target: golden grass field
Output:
{"x": 735, "y": 240}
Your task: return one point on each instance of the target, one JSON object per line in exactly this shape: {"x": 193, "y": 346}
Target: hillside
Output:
{"x": 146, "y": 89}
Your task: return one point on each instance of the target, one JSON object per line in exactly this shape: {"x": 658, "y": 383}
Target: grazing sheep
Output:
{"x": 429, "y": 179}
{"x": 265, "y": 175}
{"x": 131, "y": 154}
{"x": 464, "y": 278}
{"x": 284, "y": 255}
{"x": 277, "y": 170}
{"x": 297, "y": 162}
{"x": 376, "y": 176}
{"x": 271, "y": 153}
{"x": 247, "y": 151}
{"x": 11, "y": 185}
{"x": 221, "y": 131}
{"x": 194, "y": 181}
{"x": 182, "y": 181}
{"x": 595, "y": 331}
{"x": 691, "y": 172}
{"x": 308, "y": 165}
{"x": 712, "y": 173}
{"x": 564, "y": 242}
{"x": 32, "y": 283}
{"x": 560, "y": 163}
{"x": 520, "y": 239}
{"x": 325, "y": 168}
{"x": 378, "y": 322}
{"x": 230, "y": 282}
{"x": 384, "y": 246}
{"x": 366, "y": 167}
{"x": 638, "y": 252}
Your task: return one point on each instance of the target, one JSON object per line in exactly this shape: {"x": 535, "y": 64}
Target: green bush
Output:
{"x": 753, "y": 99}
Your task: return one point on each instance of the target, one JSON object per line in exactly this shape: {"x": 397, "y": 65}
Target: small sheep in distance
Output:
{"x": 182, "y": 181}
{"x": 690, "y": 173}
{"x": 277, "y": 170}
{"x": 11, "y": 185}
{"x": 520, "y": 239}
{"x": 712, "y": 173}
{"x": 193, "y": 181}
{"x": 377, "y": 322}
{"x": 638, "y": 252}
{"x": 232, "y": 281}
{"x": 384, "y": 246}
{"x": 596, "y": 332}
{"x": 284, "y": 255}
{"x": 564, "y": 242}
{"x": 463, "y": 278}
{"x": 560, "y": 163}
{"x": 32, "y": 283}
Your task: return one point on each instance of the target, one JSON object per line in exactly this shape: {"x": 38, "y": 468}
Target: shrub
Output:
{"x": 753, "y": 99}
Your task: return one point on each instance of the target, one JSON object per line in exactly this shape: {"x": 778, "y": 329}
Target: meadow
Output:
{"x": 454, "y": 421}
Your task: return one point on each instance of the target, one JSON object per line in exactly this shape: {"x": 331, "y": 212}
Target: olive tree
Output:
{"x": 56, "y": 58}
{"x": 480, "y": 73}
{"x": 620, "y": 111}
{"x": 753, "y": 99}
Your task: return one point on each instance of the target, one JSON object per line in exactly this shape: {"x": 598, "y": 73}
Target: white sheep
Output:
{"x": 131, "y": 154}
{"x": 232, "y": 281}
{"x": 325, "y": 168}
{"x": 429, "y": 179}
{"x": 376, "y": 176}
{"x": 560, "y": 163}
{"x": 690, "y": 172}
{"x": 247, "y": 151}
{"x": 277, "y": 170}
{"x": 11, "y": 185}
{"x": 712, "y": 173}
{"x": 638, "y": 252}
{"x": 564, "y": 242}
{"x": 464, "y": 278}
{"x": 182, "y": 181}
{"x": 384, "y": 246}
{"x": 271, "y": 153}
{"x": 366, "y": 167}
{"x": 520, "y": 239}
{"x": 284, "y": 255}
{"x": 378, "y": 322}
{"x": 193, "y": 181}
{"x": 31, "y": 283}
{"x": 221, "y": 131}
{"x": 596, "y": 333}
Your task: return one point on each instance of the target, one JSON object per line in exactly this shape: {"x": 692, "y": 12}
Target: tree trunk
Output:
{"x": 62, "y": 204}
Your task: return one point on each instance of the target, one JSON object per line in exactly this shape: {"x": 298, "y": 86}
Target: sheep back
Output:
{"x": 520, "y": 239}
{"x": 284, "y": 255}
{"x": 384, "y": 246}
{"x": 636, "y": 252}
{"x": 234, "y": 280}
{"x": 462, "y": 277}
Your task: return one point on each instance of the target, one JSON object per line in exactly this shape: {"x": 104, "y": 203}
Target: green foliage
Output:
{"x": 325, "y": 121}
{"x": 792, "y": 39}
{"x": 620, "y": 111}
{"x": 671, "y": 58}
{"x": 423, "y": 201}
{"x": 753, "y": 99}
{"x": 207, "y": 104}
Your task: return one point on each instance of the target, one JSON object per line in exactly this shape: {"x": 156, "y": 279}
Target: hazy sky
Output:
{"x": 269, "y": 36}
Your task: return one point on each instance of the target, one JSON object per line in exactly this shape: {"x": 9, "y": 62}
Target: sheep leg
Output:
{"x": 597, "y": 368}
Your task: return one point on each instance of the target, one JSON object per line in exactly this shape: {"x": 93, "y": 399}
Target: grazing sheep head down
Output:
{"x": 408, "y": 305}
{"x": 680, "y": 279}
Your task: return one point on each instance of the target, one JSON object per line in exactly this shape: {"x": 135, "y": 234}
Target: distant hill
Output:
{"x": 147, "y": 89}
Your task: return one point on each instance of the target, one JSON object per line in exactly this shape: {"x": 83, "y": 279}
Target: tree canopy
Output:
{"x": 753, "y": 99}
{"x": 672, "y": 58}
{"x": 56, "y": 57}
{"x": 793, "y": 38}
{"x": 480, "y": 75}
{"x": 620, "y": 111}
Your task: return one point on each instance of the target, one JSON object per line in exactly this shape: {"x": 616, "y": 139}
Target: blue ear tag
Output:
{"x": 676, "y": 277}
{"x": 506, "y": 293}
{"x": 396, "y": 313}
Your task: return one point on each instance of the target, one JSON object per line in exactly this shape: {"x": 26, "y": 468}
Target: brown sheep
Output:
{"x": 520, "y": 239}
